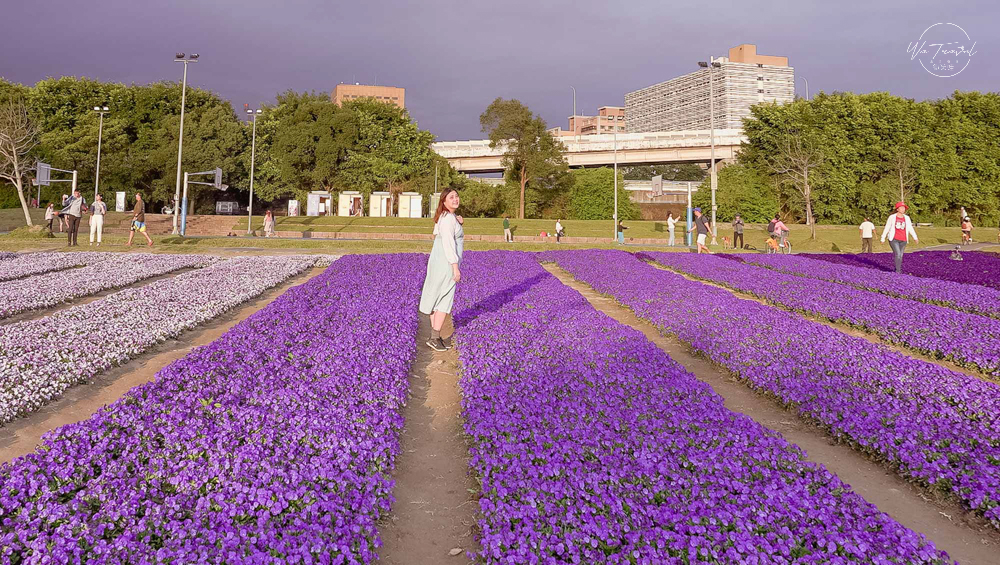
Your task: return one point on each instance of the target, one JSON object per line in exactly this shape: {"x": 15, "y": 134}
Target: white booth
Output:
{"x": 380, "y": 205}
{"x": 350, "y": 203}
{"x": 411, "y": 205}
{"x": 318, "y": 203}
{"x": 435, "y": 198}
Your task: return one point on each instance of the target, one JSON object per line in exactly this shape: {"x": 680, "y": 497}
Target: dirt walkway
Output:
{"x": 963, "y": 535}
{"x": 22, "y": 436}
{"x": 433, "y": 519}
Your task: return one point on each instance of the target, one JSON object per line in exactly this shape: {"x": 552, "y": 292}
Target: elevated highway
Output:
{"x": 598, "y": 150}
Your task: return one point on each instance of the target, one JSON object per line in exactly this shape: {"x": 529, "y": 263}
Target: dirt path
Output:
{"x": 840, "y": 327}
{"x": 22, "y": 436}
{"x": 963, "y": 535}
{"x": 433, "y": 519}
{"x": 42, "y": 312}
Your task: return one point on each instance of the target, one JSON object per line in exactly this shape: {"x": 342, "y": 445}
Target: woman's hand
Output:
{"x": 460, "y": 219}
{"x": 456, "y": 275}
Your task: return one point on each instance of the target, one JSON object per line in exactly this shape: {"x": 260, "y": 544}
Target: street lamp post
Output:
{"x": 101, "y": 110}
{"x": 179, "y": 58}
{"x": 807, "y": 86}
{"x": 616, "y": 181}
{"x": 712, "y": 63}
{"x": 253, "y": 154}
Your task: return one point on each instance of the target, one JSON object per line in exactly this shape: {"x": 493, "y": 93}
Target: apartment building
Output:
{"x": 741, "y": 80}
{"x": 609, "y": 119}
{"x": 387, "y": 94}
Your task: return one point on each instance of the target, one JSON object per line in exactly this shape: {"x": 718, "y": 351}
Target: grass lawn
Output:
{"x": 835, "y": 239}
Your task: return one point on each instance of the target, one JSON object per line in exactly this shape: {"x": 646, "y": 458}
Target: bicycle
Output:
{"x": 785, "y": 246}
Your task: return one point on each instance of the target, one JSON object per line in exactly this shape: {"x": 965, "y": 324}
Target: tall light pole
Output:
{"x": 616, "y": 178}
{"x": 253, "y": 154}
{"x": 101, "y": 110}
{"x": 807, "y": 86}
{"x": 711, "y": 121}
{"x": 179, "y": 58}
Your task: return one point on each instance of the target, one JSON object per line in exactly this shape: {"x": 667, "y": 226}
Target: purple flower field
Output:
{"x": 117, "y": 271}
{"x": 967, "y": 339}
{"x": 967, "y": 297}
{"x": 273, "y": 444}
{"x": 40, "y": 359}
{"x": 7, "y": 255}
{"x": 593, "y": 446}
{"x": 27, "y": 264}
{"x": 975, "y": 268}
{"x": 936, "y": 426}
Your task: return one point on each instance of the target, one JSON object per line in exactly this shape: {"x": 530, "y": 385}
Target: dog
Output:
{"x": 726, "y": 242}
{"x": 772, "y": 243}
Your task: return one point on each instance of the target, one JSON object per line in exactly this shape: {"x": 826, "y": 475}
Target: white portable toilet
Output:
{"x": 411, "y": 205}
{"x": 378, "y": 206}
{"x": 318, "y": 203}
{"x": 435, "y": 198}
{"x": 348, "y": 200}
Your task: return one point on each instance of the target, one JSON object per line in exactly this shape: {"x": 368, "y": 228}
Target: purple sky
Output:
{"x": 454, "y": 57}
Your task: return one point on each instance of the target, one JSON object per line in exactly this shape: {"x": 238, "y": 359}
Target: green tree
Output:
{"x": 531, "y": 154}
{"x": 592, "y": 195}
{"x": 670, "y": 171}
{"x": 741, "y": 190}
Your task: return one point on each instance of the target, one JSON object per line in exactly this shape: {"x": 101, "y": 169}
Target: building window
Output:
{"x": 760, "y": 91}
{"x": 761, "y": 65}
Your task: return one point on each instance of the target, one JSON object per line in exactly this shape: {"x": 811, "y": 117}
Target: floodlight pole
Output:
{"x": 100, "y": 131}
{"x": 253, "y": 154}
{"x": 180, "y": 135}
{"x": 711, "y": 119}
{"x": 616, "y": 179}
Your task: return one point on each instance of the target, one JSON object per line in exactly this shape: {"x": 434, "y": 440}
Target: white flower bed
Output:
{"x": 27, "y": 264}
{"x": 118, "y": 271}
{"x": 40, "y": 359}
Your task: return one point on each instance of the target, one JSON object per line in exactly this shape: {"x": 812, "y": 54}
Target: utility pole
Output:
{"x": 616, "y": 177}
{"x": 253, "y": 154}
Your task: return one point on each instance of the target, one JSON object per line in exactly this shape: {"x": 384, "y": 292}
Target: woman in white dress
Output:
{"x": 443, "y": 274}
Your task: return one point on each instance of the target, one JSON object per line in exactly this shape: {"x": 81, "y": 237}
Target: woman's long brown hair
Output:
{"x": 441, "y": 209}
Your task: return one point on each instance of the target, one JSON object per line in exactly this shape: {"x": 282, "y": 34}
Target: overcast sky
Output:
{"x": 454, "y": 56}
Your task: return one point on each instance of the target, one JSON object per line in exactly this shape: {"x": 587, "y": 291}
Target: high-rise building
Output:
{"x": 741, "y": 80}
{"x": 608, "y": 120}
{"x": 388, "y": 94}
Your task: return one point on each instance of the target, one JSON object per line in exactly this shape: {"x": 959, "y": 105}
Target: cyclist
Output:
{"x": 780, "y": 232}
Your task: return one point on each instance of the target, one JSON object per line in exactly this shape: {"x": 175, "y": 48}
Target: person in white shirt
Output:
{"x": 97, "y": 212}
{"x": 867, "y": 229}
{"x": 559, "y": 230}
{"x": 671, "y": 224}
{"x": 899, "y": 228}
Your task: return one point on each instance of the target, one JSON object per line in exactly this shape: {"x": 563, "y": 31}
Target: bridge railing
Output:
{"x": 603, "y": 142}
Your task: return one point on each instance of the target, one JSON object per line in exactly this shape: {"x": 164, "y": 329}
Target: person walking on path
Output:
{"x": 50, "y": 214}
{"x": 268, "y": 224}
{"x": 443, "y": 274}
{"x": 867, "y": 231}
{"x": 97, "y": 213}
{"x": 621, "y": 232}
{"x": 507, "y": 236}
{"x": 671, "y": 225}
{"x": 73, "y": 209}
{"x": 898, "y": 229}
{"x": 738, "y": 232}
{"x": 559, "y": 230}
{"x": 704, "y": 230}
{"x": 139, "y": 221}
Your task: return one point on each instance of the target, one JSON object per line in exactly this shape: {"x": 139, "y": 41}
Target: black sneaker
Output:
{"x": 437, "y": 344}
{"x": 448, "y": 344}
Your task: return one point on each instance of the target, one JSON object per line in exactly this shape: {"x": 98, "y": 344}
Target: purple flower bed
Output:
{"x": 7, "y": 255}
{"x": 967, "y": 339}
{"x": 936, "y": 426}
{"x": 273, "y": 444}
{"x": 27, "y": 264}
{"x": 40, "y": 359}
{"x": 975, "y": 268}
{"x": 593, "y": 446}
{"x": 118, "y": 271}
{"x": 967, "y": 297}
